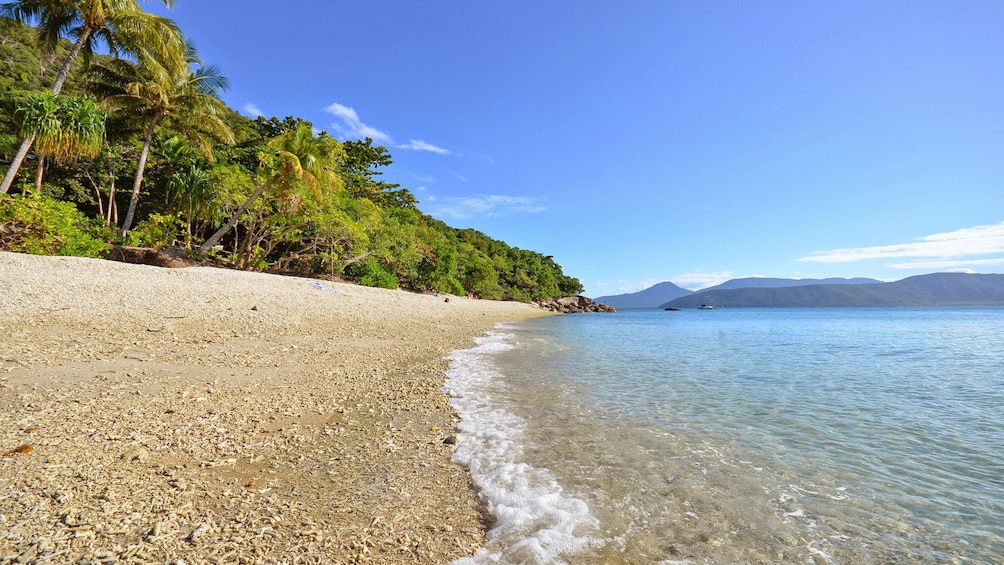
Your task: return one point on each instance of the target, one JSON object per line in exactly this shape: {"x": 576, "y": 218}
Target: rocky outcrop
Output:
{"x": 574, "y": 305}
{"x": 172, "y": 257}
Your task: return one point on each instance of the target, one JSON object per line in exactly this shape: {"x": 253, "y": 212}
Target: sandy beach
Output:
{"x": 204, "y": 415}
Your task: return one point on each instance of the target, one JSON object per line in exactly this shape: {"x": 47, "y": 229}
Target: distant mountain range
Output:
{"x": 651, "y": 297}
{"x": 657, "y": 296}
{"x": 763, "y": 282}
{"x": 940, "y": 289}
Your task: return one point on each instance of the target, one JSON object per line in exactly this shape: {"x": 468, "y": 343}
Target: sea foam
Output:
{"x": 535, "y": 521}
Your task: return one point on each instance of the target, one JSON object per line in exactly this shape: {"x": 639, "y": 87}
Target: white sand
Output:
{"x": 170, "y": 415}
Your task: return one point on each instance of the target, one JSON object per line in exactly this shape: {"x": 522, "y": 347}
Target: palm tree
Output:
{"x": 297, "y": 156}
{"x": 188, "y": 102}
{"x": 64, "y": 128}
{"x": 120, "y": 25}
{"x": 192, "y": 194}
{"x": 188, "y": 190}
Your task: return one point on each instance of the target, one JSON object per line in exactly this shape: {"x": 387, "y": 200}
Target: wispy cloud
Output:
{"x": 252, "y": 110}
{"x": 699, "y": 279}
{"x": 959, "y": 265}
{"x": 967, "y": 242}
{"x": 488, "y": 206}
{"x": 350, "y": 126}
{"x": 423, "y": 178}
{"x": 419, "y": 145}
{"x": 691, "y": 281}
{"x": 624, "y": 286}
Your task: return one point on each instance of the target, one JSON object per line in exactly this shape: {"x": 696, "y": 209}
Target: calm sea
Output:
{"x": 739, "y": 436}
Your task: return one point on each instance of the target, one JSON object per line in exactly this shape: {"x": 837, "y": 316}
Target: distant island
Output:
{"x": 651, "y": 297}
{"x": 939, "y": 289}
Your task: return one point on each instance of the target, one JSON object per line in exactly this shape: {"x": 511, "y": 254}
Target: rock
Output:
{"x": 137, "y": 454}
{"x": 451, "y": 439}
{"x": 198, "y": 533}
{"x": 574, "y": 305}
{"x": 171, "y": 257}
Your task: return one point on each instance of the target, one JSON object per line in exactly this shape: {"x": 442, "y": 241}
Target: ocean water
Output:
{"x": 738, "y": 436}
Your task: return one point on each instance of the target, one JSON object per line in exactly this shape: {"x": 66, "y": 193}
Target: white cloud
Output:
{"x": 957, "y": 265}
{"x": 489, "y": 206}
{"x": 349, "y": 126}
{"x": 690, "y": 281}
{"x": 624, "y": 286}
{"x": 978, "y": 240}
{"x": 419, "y": 145}
{"x": 252, "y": 110}
{"x": 700, "y": 279}
{"x": 424, "y": 178}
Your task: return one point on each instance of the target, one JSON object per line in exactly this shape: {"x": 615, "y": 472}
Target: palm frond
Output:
{"x": 209, "y": 80}
{"x": 65, "y": 128}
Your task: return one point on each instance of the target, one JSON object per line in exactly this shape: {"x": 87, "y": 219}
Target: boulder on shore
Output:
{"x": 574, "y": 305}
{"x": 172, "y": 257}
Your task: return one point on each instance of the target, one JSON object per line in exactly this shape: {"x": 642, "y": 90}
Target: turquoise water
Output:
{"x": 739, "y": 436}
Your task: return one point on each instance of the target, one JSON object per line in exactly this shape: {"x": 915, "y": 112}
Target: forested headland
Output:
{"x": 113, "y": 132}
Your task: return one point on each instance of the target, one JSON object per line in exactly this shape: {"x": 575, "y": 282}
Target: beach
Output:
{"x": 198, "y": 414}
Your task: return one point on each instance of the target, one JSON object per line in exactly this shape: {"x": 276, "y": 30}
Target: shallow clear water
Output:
{"x": 739, "y": 436}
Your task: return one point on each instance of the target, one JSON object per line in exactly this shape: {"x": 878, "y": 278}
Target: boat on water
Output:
{"x": 706, "y": 307}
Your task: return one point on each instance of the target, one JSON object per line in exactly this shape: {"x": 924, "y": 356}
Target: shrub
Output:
{"x": 371, "y": 273}
{"x": 43, "y": 226}
{"x": 158, "y": 231}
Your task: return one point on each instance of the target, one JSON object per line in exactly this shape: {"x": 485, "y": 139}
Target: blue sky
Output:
{"x": 645, "y": 141}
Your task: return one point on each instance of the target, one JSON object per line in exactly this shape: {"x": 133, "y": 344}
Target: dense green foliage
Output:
{"x": 262, "y": 194}
{"x": 45, "y": 226}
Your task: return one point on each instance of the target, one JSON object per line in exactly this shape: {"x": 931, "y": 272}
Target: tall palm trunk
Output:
{"x": 70, "y": 57}
{"x": 22, "y": 151}
{"x": 15, "y": 163}
{"x": 234, "y": 218}
{"x": 38, "y": 174}
{"x": 138, "y": 181}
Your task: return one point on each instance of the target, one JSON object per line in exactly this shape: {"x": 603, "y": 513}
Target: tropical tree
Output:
{"x": 191, "y": 195}
{"x": 120, "y": 25}
{"x": 359, "y": 172}
{"x": 292, "y": 158}
{"x": 189, "y": 102}
{"x": 64, "y": 128}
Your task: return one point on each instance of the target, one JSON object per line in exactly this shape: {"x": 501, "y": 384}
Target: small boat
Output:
{"x": 706, "y": 307}
{"x": 671, "y": 309}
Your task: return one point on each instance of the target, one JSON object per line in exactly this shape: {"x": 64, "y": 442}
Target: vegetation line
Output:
{"x": 264, "y": 194}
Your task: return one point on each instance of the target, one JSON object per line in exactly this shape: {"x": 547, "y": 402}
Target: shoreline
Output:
{"x": 182, "y": 415}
